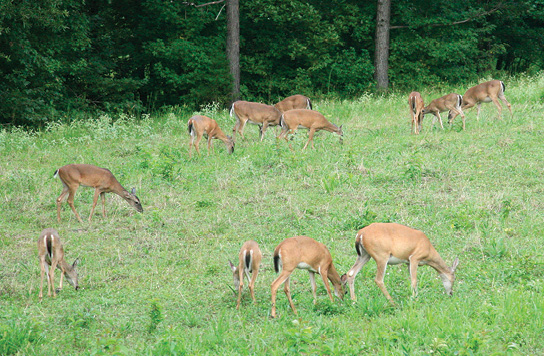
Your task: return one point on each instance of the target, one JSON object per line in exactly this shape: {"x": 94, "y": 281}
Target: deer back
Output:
{"x": 294, "y": 102}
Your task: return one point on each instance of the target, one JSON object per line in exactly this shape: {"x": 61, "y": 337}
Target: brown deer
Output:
{"x": 256, "y": 113}
{"x": 415, "y": 101}
{"x": 51, "y": 253}
{"x": 294, "y": 102}
{"x": 101, "y": 179}
{"x": 312, "y": 120}
{"x": 451, "y": 103}
{"x": 303, "y": 252}
{"x": 249, "y": 261}
{"x": 391, "y": 244}
{"x": 486, "y": 92}
{"x": 199, "y": 125}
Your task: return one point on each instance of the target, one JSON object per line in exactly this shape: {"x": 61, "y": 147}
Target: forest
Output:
{"x": 59, "y": 58}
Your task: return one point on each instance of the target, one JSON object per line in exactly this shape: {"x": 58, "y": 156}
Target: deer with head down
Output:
{"x": 310, "y": 119}
{"x": 391, "y": 244}
{"x": 451, "y": 103}
{"x": 200, "y": 125}
{"x": 101, "y": 179}
{"x": 415, "y": 101}
{"x": 249, "y": 261}
{"x": 51, "y": 253}
{"x": 303, "y": 252}
{"x": 486, "y": 92}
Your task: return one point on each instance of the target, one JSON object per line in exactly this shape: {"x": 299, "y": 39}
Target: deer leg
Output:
{"x": 42, "y": 273}
{"x": 310, "y": 138}
{"x": 413, "y": 275}
{"x": 503, "y": 99}
{"x": 71, "y": 196}
{"x": 287, "y": 291}
{"x": 263, "y": 130}
{"x": 324, "y": 276}
{"x": 252, "y": 284}
{"x": 440, "y": 121}
{"x": 95, "y": 200}
{"x": 65, "y": 191}
{"x": 498, "y": 105}
{"x": 209, "y": 143}
{"x": 103, "y": 198}
{"x": 380, "y": 275}
{"x": 478, "y": 111}
{"x": 241, "y": 285}
{"x": 197, "y": 143}
{"x": 52, "y": 279}
{"x": 352, "y": 273}
{"x": 274, "y": 288}
{"x": 314, "y": 286}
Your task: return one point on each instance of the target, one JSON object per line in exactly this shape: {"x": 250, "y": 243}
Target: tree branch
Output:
{"x": 499, "y": 6}
{"x": 201, "y": 5}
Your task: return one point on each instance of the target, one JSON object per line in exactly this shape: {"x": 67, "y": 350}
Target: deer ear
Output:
{"x": 455, "y": 263}
{"x": 233, "y": 267}
{"x": 133, "y": 191}
{"x": 75, "y": 263}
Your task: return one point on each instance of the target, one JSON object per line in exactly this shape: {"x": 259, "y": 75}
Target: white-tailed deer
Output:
{"x": 310, "y": 119}
{"x": 256, "y": 113}
{"x": 101, "y": 179}
{"x": 51, "y": 253}
{"x": 415, "y": 101}
{"x": 486, "y": 92}
{"x": 294, "y": 102}
{"x": 451, "y": 103}
{"x": 199, "y": 125}
{"x": 391, "y": 244}
{"x": 249, "y": 260}
{"x": 305, "y": 253}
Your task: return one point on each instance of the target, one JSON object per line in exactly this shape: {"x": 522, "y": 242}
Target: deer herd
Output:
{"x": 385, "y": 243}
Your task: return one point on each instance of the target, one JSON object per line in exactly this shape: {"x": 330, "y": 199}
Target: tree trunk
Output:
{"x": 381, "y": 61}
{"x": 233, "y": 45}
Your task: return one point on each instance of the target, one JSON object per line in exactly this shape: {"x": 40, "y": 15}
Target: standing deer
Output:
{"x": 312, "y": 120}
{"x": 199, "y": 125}
{"x": 451, "y": 103}
{"x": 294, "y": 102}
{"x": 415, "y": 101}
{"x": 101, "y": 179}
{"x": 51, "y": 253}
{"x": 486, "y": 92}
{"x": 391, "y": 244}
{"x": 249, "y": 260}
{"x": 303, "y": 252}
{"x": 256, "y": 113}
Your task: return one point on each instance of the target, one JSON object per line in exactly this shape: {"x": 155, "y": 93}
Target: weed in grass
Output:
{"x": 155, "y": 316}
{"x": 18, "y": 336}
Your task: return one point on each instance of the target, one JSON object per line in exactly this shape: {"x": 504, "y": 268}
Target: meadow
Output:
{"x": 158, "y": 283}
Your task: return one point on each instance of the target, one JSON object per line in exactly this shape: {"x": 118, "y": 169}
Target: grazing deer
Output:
{"x": 305, "y": 253}
{"x": 451, "y": 103}
{"x": 249, "y": 260}
{"x": 486, "y": 92}
{"x": 256, "y": 113}
{"x": 391, "y": 244}
{"x": 415, "y": 101}
{"x": 199, "y": 125}
{"x": 101, "y": 179}
{"x": 51, "y": 253}
{"x": 312, "y": 120}
{"x": 294, "y": 102}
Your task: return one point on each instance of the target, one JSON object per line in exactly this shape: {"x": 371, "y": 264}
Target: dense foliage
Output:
{"x": 57, "y": 56}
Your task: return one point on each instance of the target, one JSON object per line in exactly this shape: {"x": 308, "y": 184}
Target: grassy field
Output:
{"x": 159, "y": 283}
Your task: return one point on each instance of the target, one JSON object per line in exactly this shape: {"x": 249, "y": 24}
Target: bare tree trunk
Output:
{"x": 233, "y": 45}
{"x": 381, "y": 61}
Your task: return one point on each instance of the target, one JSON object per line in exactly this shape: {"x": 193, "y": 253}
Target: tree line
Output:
{"x": 62, "y": 56}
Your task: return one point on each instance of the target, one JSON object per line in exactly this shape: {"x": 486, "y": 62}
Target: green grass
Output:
{"x": 158, "y": 283}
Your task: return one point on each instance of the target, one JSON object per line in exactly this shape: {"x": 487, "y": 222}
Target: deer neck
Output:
{"x": 439, "y": 265}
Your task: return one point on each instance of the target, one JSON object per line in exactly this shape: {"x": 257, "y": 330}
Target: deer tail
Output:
{"x": 56, "y": 174}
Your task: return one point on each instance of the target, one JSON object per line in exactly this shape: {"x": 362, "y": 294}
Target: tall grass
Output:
{"x": 158, "y": 282}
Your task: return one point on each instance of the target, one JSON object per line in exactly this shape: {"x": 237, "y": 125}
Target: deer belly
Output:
{"x": 395, "y": 261}
{"x": 303, "y": 265}
{"x": 487, "y": 100}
